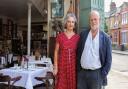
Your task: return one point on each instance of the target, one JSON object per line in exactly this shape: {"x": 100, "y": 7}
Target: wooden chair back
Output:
{"x": 49, "y": 76}
{"x": 8, "y": 79}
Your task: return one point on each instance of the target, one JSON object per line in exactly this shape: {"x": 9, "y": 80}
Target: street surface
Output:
{"x": 120, "y": 63}
{"x": 118, "y": 76}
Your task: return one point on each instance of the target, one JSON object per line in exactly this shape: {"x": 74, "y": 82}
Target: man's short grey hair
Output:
{"x": 67, "y": 16}
{"x": 95, "y": 12}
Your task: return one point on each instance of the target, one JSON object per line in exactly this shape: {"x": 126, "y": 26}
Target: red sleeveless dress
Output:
{"x": 66, "y": 77}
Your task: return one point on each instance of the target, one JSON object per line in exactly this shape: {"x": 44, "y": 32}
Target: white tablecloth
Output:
{"x": 28, "y": 76}
{"x": 42, "y": 61}
{"x": 46, "y": 61}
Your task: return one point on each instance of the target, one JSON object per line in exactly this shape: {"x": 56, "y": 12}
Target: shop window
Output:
{"x": 115, "y": 37}
{"x": 124, "y": 37}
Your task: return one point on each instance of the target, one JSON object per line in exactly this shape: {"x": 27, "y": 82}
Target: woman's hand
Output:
{"x": 55, "y": 70}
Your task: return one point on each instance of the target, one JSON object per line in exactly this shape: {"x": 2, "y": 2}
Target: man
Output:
{"x": 94, "y": 55}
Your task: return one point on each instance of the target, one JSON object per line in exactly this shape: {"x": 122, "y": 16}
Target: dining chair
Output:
{"x": 10, "y": 81}
{"x": 48, "y": 80}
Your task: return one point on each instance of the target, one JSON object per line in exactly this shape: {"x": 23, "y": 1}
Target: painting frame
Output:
{"x": 57, "y": 9}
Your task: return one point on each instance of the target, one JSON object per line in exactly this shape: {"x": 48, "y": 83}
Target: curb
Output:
{"x": 123, "y": 74}
{"x": 120, "y": 53}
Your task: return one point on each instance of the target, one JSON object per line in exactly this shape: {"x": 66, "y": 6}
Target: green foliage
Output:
{"x": 105, "y": 27}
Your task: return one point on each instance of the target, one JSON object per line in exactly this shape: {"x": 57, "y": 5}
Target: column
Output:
{"x": 29, "y": 29}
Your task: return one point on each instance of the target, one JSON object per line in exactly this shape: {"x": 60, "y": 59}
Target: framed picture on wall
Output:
{"x": 57, "y": 8}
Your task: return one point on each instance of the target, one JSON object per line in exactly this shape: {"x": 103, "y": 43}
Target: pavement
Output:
{"x": 120, "y": 52}
{"x": 116, "y": 79}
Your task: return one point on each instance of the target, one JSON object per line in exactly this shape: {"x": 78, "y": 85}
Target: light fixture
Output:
{"x": 45, "y": 11}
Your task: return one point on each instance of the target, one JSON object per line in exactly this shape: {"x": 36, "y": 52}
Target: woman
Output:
{"x": 65, "y": 55}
